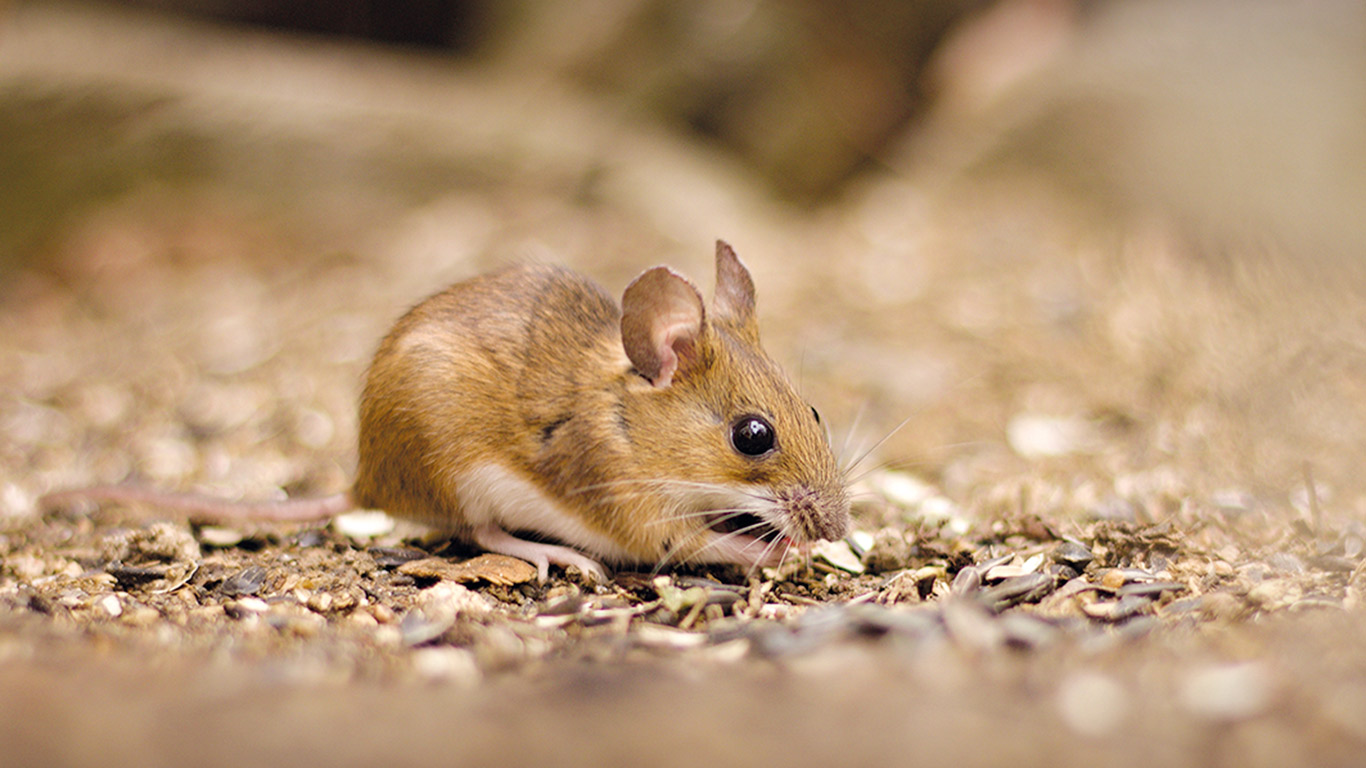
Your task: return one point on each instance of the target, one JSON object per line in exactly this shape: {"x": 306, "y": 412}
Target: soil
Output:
{"x": 1107, "y": 504}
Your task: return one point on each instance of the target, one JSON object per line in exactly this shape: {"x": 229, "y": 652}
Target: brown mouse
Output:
{"x": 526, "y": 401}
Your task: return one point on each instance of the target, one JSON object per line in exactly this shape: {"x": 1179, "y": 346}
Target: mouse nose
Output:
{"x": 814, "y": 516}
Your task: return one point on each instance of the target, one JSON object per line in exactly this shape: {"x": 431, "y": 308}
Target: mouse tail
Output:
{"x": 199, "y": 508}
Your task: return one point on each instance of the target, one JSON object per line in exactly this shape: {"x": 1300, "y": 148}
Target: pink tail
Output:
{"x": 201, "y": 508}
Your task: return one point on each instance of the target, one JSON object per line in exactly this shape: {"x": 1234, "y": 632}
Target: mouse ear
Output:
{"x": 661, "y": 321}
{"x": 734, "y": 289}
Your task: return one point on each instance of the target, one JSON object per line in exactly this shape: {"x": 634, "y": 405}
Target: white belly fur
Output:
{"x": 491, "y": 494}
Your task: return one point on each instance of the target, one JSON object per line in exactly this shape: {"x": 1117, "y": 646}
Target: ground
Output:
{"x": 1104, "y": 484}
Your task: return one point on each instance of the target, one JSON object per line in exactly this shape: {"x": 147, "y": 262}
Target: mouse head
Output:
{"x": 751, "y": 456}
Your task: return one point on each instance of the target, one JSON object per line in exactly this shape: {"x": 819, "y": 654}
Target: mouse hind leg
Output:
{"x": 492, "y": 537}
{"x": 494, "y": 500}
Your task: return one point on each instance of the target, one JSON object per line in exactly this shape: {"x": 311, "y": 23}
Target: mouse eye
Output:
{"x": 752, "y": 436}
{"x": 816, "y": 413}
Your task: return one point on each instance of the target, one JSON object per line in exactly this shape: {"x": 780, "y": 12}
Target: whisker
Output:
{"x": 877, "y": 445}
{"x": 849, "y": 433}
{"x": 651, "y": 484}
{"x": 725, "y": 514}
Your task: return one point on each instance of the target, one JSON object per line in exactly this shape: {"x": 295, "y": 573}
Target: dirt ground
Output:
{"x": 1108, "y": 497}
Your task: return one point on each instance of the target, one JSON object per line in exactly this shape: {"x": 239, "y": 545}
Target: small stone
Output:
{"x": 1092, "y": 704}
{"x": 245, "y": 608}
{"x": 447, "y": 596}
{"x": 222, "y": 538}
{"x": 363, "y": 525}
{"x": 1227, "y": 692}
{"x": 656, "y": 636}
{"x": 110, "y": 605}
{"x": 447, "y": 665}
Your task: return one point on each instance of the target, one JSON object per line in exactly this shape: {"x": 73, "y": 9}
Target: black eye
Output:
{"x": 816, "y": 413}
{"x": 752, "y": 436}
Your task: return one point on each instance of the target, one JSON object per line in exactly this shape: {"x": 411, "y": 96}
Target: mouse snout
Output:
{"x": 813, "y": 515}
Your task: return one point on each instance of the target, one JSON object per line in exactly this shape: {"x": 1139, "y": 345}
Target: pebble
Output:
{"x": 110, "y": 605}
{"x": 657, "y": 636}
{"x": 449, "y": 597}
{"x": 245, "y": 608}
{"x": 363, "y": 525}
{"x": 1227, "y": 692}
{"x": 445, "y": 664}
{"x": 217, "y": 536}
{"x": 1092, "y": 704}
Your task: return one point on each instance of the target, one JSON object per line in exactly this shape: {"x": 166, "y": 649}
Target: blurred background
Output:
{"x": 1117, "y": 245}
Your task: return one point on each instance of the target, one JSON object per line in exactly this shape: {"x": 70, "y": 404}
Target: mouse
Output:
{"x": 528, "y": 413}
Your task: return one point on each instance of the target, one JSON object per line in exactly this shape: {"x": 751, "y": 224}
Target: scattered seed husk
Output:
{"x": 1029, "y": 588}
{"x": 1072, "y": 553}
{"x": 1151, "y": 588}
{"x": 656, "y": 636}
{"x": 392, "y": 557}
{"x": 1332, "y": 564}
{"x": 494, "y": 569}
{"x": 245, "y": 582}
{"x": 840, "y": 555}
{"x": 131, "y": 576}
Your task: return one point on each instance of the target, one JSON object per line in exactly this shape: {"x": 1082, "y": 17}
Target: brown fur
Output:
{"x": 526, "y": 368}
